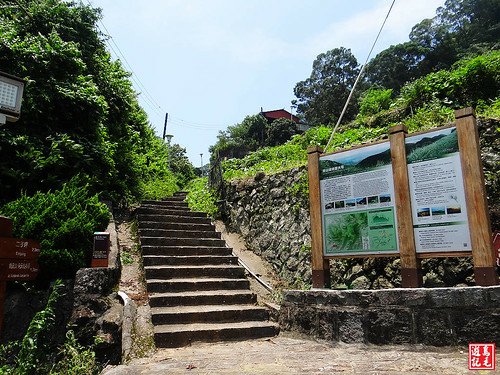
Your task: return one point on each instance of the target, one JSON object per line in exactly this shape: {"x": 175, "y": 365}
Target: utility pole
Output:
{"x": 169, "y": 139}
{"x": 165, "y": 126}
{"x": 201, "y": 166}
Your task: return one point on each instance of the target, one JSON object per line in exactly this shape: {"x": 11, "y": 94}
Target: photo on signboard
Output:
{"x": 450, "y": 210}
{"x": 361, "y": 201}
{"x": 373, "y": 200}
{"x": 339, "y": 204}
{"x": 329, "y": 206}
{"x": 438, "y": 211}
{"x": 431, "y": 146}
{"x": 424, "y": 212}
{"x": 385, "y": 198}
{"x": 350, "y": 202}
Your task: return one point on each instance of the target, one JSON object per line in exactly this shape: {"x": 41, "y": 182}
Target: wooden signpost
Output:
{"x": 18, "y": 259}
{"x": 429, "y": 197}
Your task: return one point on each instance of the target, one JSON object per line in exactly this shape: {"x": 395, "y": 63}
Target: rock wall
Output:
{"x": 430, "y": 316}
{"x": 273, "y": 218}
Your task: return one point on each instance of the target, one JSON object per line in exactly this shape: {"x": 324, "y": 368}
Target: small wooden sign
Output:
{"x": 18, "y": 259}
{"x": 6, "y": 227}
{"x": 16, "y": 248}
{"x": 101, "y": 249}
{"x": 20, "y": 270}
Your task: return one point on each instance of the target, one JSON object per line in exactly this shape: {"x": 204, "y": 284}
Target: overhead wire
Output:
{"x": 358, "y": 77}
{"x": 149, "y": 100}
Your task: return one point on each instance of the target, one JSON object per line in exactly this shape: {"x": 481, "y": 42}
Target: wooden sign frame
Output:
{"x": 483, "y": 254}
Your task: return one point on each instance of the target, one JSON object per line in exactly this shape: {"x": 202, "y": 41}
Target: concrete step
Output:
{"x": 185, "y": 250}
{"x": 170, "y": 206}
{"x": 166, "y": 272}
{"x": 162, "y": 241}
{"x": 176, "y": 226}
{"x": 172, "y": 233}
{"x": 168, "y": 211}
{"x": 208, "y": 314}
{"x": 195, "y": 284}
{"x": 165, "y": 203}
{"x": 195, "y": 260}
{"x": 157, "y": 218}
{"x": 171, "y": 336}
{"x": 199, "y": 298}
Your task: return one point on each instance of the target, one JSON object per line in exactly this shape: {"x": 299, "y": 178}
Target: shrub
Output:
{"x": 159, "y": 187}
{"x": 36, "y": 354}
{"x": 64, "y": 222}
{"x": 201, "y": 198}
{"x": 374, "y": 100}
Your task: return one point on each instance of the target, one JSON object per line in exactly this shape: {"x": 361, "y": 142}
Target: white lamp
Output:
{"x": 11, "y": 94}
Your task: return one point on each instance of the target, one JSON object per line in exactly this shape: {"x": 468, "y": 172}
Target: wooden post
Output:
{"x": 475, "y": 195}
{"x": 320, "y": 266}
{"x": 411, "y": 273}
{"x": 3, "y": 288}
{"x": 5, "y": 231}
{"x": 5, "y": 227}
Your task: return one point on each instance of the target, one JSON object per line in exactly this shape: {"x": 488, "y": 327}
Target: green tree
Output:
{"x": 395, "y": 66}
{"x": 321, "y": 97}
{"x": 180, "y": 164}
{"x": 80, "y": 113}
{"x": 279, "y": 131}
{"x": 460, "y": 28}
{"x": 239, "y": 139}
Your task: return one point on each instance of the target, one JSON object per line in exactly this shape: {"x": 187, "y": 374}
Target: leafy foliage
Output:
{"x": 34, "y": 354}
{"x": 294, "y": 152}
{"x": 426, "y": 103}
{"x": 374, "y": 100}
{"x": 64, "y": 222}
{"x": 252, "y": 133}
{"x": 80, "y": 113}
{"x": 201, "y": 198}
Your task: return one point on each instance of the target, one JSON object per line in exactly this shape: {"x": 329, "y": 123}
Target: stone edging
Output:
{"x": 430, "y": 316}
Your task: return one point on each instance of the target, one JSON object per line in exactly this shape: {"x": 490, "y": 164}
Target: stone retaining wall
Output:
{"x": 272, "y": 216}
{"x": 431, "y": 316}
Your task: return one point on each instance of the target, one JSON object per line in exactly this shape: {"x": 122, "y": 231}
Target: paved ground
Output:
{"x": 288, "y": 354}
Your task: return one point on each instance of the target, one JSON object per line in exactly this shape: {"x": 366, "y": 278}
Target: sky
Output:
{"x": 211, "y": 63}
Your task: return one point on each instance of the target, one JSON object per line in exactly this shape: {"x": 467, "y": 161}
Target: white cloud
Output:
{"x": 359, "y": 31}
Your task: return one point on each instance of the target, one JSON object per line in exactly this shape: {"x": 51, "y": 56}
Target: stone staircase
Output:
{"x": 197, "y": 290}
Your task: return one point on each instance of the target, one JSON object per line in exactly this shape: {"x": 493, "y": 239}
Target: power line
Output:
{"x": 152, "y": 103}
{"x": 194, "y": 123}
{"x": 358, "y": 77}
{"x": 184, "y": 124}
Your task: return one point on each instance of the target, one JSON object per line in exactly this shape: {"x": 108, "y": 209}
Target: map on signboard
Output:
{"x": 357, "y": 198}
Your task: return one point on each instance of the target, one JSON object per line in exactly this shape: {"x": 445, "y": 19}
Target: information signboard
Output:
{"x": 357, "y": 202}
{"x": 437, "y": 192}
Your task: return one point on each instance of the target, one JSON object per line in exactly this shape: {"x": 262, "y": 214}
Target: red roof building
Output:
{"x": 279, "y": 113}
